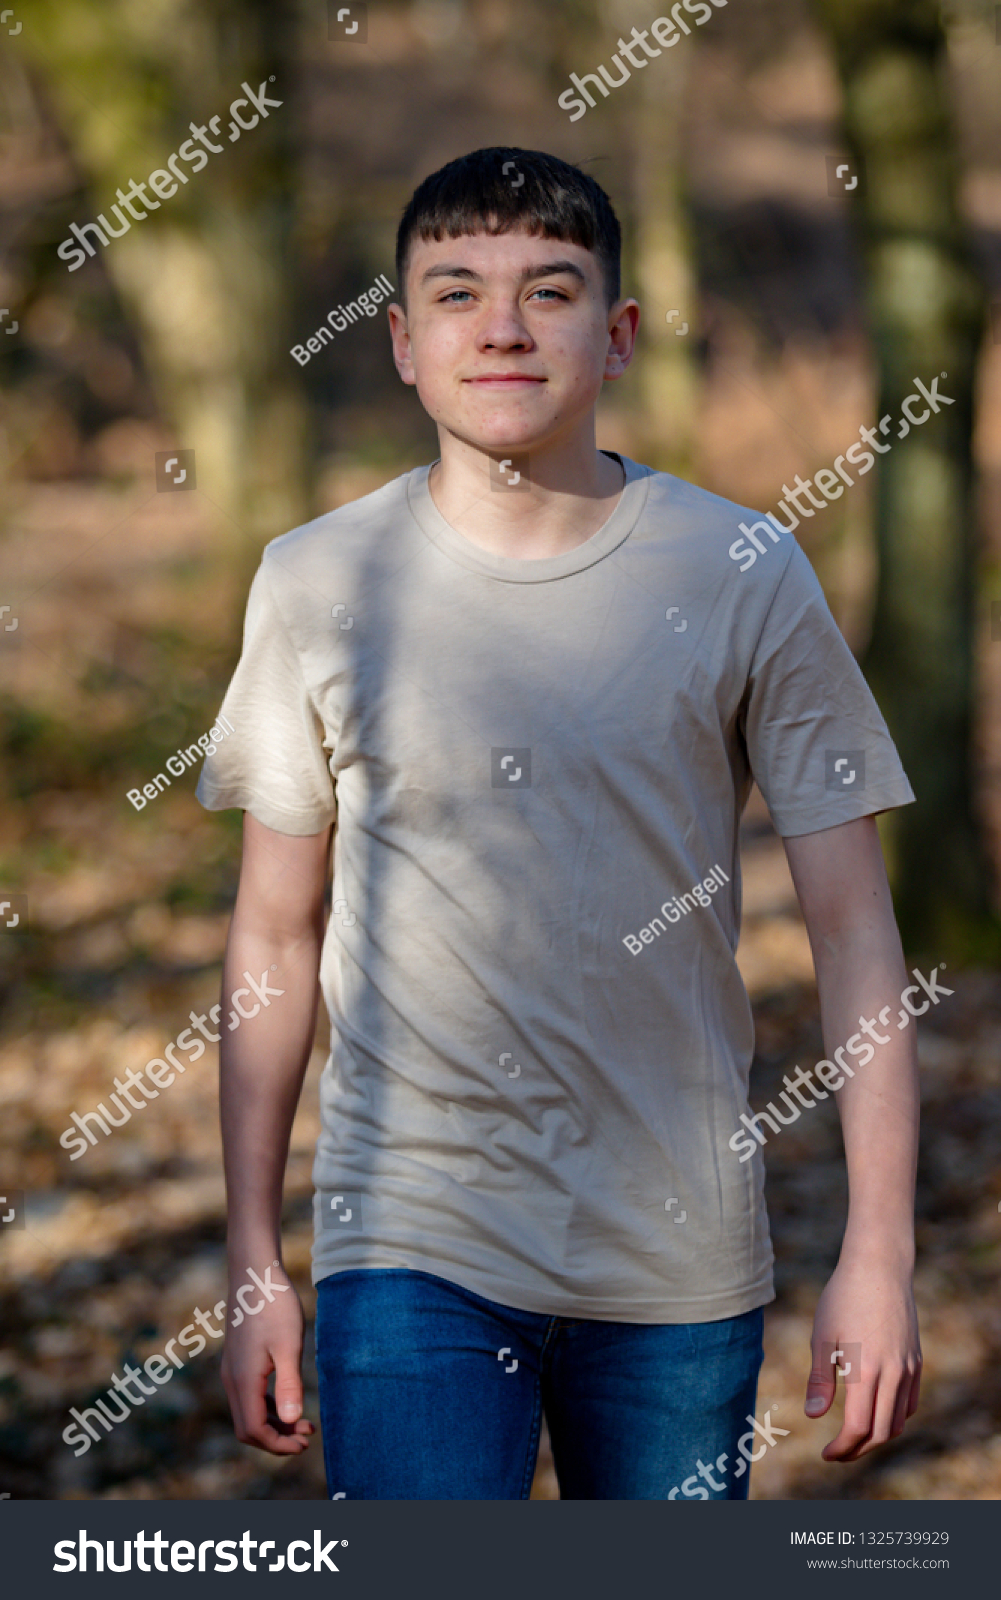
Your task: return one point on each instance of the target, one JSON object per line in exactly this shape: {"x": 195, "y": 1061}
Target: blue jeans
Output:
{"x": 431, "y": 1392}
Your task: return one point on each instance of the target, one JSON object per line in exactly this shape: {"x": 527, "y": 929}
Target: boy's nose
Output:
{"x": 504, "y": 331}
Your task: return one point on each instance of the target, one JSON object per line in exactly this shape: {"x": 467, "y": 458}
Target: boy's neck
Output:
{"x": 563, "y": 496}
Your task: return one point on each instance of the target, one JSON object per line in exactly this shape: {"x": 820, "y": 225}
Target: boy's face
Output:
{"x": 508, "y": 337}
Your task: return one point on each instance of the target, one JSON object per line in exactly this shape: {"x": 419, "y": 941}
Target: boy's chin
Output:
{"x": 498, "y": 441}
{"x": 522, "y": 446}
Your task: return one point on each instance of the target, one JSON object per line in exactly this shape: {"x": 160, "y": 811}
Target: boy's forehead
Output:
{"x": 511, "y": 251}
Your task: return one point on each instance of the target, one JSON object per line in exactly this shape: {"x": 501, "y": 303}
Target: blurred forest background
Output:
{"x": 783, "y": 308}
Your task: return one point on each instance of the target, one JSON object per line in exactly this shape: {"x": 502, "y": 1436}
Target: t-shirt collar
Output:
{"x": 511, "y": 569}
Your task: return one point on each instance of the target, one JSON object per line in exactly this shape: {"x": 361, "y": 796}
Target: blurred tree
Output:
{"x": 204, "y": 279}
{"x": 926, "y": 310}
{"x": 641, "y": 132}
{"x": 661, "y": 249}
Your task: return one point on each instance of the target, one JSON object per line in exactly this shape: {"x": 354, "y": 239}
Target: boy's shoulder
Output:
{"x": 717, "y": 535}
{"x": 341, "y": 534}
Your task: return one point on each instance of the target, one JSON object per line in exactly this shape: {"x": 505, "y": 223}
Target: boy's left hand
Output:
{"x": 870, "y": 1306}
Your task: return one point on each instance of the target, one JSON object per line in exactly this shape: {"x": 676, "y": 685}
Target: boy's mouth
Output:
{"x": 504, "y": 379}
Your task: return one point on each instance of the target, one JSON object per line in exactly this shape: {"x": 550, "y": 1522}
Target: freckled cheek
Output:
{"x": 441, "y": 342}
{"x": 574, "y": 355}
{"x": 432, "y": 392}
{"x": 437, "y": 362}
{"x": 578, "y": 368}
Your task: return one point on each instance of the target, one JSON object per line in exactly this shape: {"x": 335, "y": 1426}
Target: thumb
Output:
{"x": 821, "y": 1386}
{"x": 288, "y": 1384}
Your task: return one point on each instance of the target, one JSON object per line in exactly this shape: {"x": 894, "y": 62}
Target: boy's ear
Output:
{"x": 399, "y": 332}
{"x": 623, "y": 321}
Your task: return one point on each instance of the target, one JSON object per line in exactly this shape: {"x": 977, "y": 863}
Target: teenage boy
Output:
{"x": 533, "y": 686}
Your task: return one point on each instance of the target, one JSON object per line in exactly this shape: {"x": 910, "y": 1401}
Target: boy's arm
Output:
{"x": 277, "y": 930}
{"x": 841, "y": 882}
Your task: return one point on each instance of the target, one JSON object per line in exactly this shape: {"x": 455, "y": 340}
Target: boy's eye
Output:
{"x": 460, "y": 296}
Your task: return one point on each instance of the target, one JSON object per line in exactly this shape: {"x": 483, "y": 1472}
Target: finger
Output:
{"x": 902, "y": 1408}
{"x": 819, "y": 1389}
{"x": 912, "y": 1404}
{"x": 893, "y": 1387}
{"x": 295, "y": 1433}
{"x": 271, "y": 1434}
{"x": 288, "y": 1382}
{"x": 261, "y": 1425}
{"x": 856, "y": 1426}
{"x": 246, "y": 1389}
{"x": 896, "y": 1400}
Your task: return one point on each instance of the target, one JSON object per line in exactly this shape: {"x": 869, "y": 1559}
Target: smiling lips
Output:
{"x": 502, "y": 378}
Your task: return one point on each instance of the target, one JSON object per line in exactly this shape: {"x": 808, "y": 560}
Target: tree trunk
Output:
{"x": 927, "y": 315}
{"x": 205, "y": 278}
{"x": 666, "y": 376}
{"x": 629, "y": 141}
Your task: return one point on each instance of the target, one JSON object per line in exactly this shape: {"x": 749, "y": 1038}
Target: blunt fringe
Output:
{"x": 473, "y": 194}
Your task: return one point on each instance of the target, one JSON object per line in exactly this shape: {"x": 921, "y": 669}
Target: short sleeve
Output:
{"x": 817, "y": 743}
{"x": 273, "y": 763}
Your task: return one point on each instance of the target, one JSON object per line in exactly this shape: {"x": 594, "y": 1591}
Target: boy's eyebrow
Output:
{"x": 545, "y": 269}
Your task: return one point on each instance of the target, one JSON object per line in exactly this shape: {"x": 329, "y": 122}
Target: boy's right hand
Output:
{"x": 269, "y": 1341}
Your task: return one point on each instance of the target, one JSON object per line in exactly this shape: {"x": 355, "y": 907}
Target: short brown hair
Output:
{"x": 475, "y": 194}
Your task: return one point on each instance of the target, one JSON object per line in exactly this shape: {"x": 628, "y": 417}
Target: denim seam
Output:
{"x": 533, "y": 1442}
{"x": 532, "y": 1454}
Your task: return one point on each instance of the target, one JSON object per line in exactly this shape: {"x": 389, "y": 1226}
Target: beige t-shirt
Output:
{"x": 531, "y": 763}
